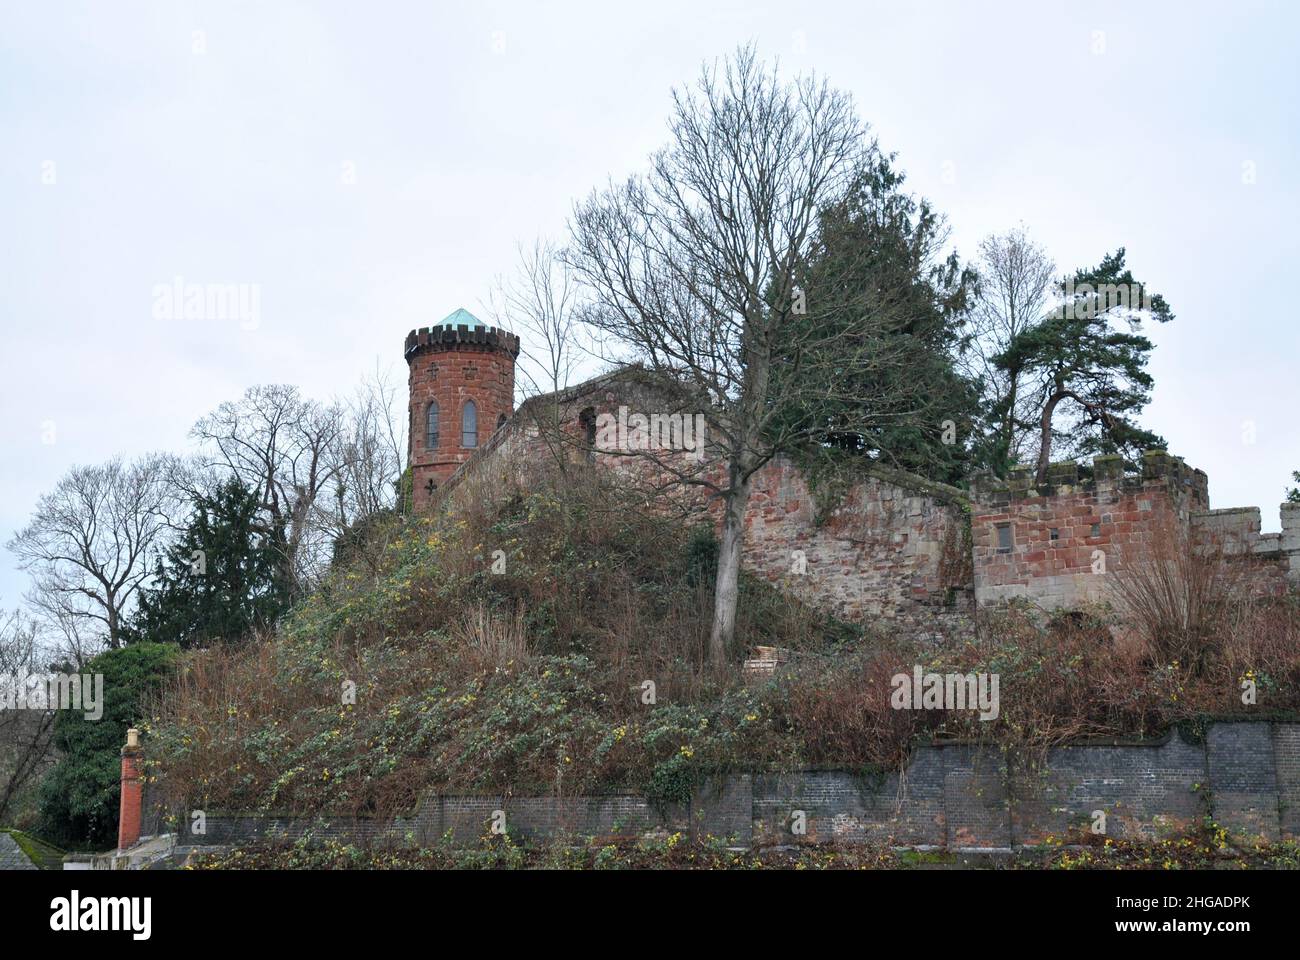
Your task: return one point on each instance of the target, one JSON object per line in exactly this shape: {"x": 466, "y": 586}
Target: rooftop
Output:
{"x": 21, "y": 851}
{"x": 458, "y": 316}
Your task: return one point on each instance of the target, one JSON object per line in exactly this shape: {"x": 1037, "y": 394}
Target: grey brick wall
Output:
{"x": 1246, "y": 775}
{"x": 723, "y": 809}
{"x": 1142, "y": 790}
{"x": 467, "y": 819}
{"x": 1243, "y": 778}
{"x": 1286, "y": 756}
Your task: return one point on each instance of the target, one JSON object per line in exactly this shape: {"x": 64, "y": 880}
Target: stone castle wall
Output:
{"x": 885, "y": 551}
{"x": 898, "y": 548}
{"x": 1057, "y": 544}
{"x": 891, "y": 548}
{"x": 1275, "y": 556}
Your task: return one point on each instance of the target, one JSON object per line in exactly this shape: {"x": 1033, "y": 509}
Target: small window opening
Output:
{"x": 587, "y": 420}
{"x": 469, "y": 425}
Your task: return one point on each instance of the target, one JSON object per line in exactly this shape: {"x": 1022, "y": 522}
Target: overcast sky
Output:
{"x": 371, "y": 166}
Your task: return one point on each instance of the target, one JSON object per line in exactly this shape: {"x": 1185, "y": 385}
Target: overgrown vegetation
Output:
{"x": 46, "y": 856}
{"x": 582, "y": 666}
{"x": 1207, "y": 846}
{"x": 672, "y": 852}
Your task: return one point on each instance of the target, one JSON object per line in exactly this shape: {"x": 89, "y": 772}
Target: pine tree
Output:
{"x": 1085, "y": 365}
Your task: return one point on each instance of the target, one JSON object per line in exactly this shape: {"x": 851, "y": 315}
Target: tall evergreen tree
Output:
{"x": 220, "y": 581}
{"x": 884, "y": 247}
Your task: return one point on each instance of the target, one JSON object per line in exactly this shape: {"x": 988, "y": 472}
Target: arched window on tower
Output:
{"x": 431, "y": 427}
{"x": 469, "y": 425}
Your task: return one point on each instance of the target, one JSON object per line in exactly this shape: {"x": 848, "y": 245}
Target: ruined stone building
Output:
{"x": 894, "y": 546}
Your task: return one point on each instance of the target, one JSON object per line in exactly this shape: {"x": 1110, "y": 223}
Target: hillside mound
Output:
{"x": 551, "y": 638}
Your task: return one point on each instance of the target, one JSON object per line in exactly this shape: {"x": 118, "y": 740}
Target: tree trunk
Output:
{"x": 1045, "y": 438}
{"x": 114, "y": 625}
{"x": 726, "y": 591}
{"x": 1005, "y": 462}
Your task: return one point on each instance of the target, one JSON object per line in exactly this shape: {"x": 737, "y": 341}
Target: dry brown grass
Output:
{"x": 1181, "y": 598}
{"x": 495, "y": 640}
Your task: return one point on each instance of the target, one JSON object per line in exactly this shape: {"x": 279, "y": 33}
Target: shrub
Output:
{"x": 80, "y": 795}
{"x": 1181, "y": 597}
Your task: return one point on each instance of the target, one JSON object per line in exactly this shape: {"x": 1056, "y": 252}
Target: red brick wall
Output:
{"x": 1071, "y": 570}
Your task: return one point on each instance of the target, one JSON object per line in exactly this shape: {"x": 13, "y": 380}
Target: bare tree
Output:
{"x": 540, "y": 302}
{"x": 70, "y": 639}
{"x": 1016, "y": 278}
{"x": 285, "y": 447}
{"x": 90, "y": 541}
{"x": 24, "y": 734}
{"x": 1180, "y": 594}
{"x": 694, "y": 266}
{"x": 370, "y": 454}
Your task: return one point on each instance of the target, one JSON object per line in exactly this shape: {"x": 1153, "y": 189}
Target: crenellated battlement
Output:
{"x": 1105, "y": 473}
{"x": 1056, "y": 542}
{"x": 460, "y": 337}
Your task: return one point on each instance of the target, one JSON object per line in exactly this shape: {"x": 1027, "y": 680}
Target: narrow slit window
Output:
{"x": 431, "y": 427}
{"x": 1004, "y": 537}
{"x": 469, "y": 425}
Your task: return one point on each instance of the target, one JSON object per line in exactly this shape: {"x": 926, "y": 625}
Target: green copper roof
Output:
{"x": 458, "y": 316}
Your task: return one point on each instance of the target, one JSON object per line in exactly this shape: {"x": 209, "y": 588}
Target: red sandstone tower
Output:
{"x": 462, "y": 388}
